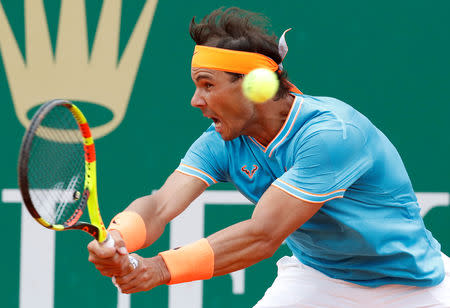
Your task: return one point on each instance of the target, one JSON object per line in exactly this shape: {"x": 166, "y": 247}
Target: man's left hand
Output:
{"x": 150, "y": 273}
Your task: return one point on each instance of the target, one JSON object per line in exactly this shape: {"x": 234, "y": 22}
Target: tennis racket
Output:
{"x": 57, "y": 171}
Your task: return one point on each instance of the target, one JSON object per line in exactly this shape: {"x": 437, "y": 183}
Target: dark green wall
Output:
{"x": 388, "y": 59}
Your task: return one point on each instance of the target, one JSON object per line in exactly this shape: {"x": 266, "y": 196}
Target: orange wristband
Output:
{"x": 191, "y": 262}
{"x": 132, "y": 229}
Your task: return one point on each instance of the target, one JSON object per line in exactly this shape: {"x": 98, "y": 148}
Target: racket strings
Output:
{"x": 63, "y": 211}
{"x": 56, "y": 166}
{"x": 52, "y": 196}
{"x": 52, "y": 199}
{"x": 56, "y": 199}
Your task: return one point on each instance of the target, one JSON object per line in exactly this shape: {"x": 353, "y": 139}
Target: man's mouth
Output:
{"x": 213, "y": 118}
{"x": 217, "y": 123}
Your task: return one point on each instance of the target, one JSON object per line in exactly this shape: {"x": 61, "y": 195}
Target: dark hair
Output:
{"x": 237, "y": 29}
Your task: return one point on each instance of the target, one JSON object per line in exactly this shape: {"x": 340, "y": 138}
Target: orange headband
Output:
{"x": 241, "y": 62}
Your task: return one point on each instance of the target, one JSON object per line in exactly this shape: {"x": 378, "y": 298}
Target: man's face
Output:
{"x": 221, "y": 99}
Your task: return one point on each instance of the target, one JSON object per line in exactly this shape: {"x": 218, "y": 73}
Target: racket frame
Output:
{"x": 89, "y": 196}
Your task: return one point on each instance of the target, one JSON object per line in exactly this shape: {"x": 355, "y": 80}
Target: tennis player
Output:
{"x": 322, "y": 176}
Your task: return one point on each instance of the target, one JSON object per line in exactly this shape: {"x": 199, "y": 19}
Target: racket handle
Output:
{"x": 109, "y": 242}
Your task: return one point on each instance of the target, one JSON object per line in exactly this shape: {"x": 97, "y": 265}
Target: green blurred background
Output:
{"x": 388, "y": 59}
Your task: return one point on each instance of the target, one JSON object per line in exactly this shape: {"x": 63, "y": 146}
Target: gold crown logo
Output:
{"x": 71, "y": 74}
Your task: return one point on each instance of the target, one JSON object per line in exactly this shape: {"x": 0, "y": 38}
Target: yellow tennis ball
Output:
{"x": 260, "y": 85}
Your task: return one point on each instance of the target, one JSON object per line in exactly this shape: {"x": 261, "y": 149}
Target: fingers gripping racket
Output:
{"x": 57, "y": 171}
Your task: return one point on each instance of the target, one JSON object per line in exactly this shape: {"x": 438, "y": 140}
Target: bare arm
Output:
{"x": 158, "y": 209}
{"x": 241, "y": 245}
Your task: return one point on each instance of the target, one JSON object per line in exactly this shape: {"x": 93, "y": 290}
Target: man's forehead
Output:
{"x": 196, "y": 70}
{"x": 199, "y": 72}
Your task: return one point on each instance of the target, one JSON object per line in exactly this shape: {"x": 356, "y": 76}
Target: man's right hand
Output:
{"x": 110, "y": 261}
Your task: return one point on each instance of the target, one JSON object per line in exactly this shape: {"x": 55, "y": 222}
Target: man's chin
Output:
{"x": 225, "y": 134}
{"x": 227, "y": 137}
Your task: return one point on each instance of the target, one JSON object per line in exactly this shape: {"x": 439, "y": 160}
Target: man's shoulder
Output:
{"x": 321, "y": 113}
{"x": 331, "y": 123}
{"x": 327, "y": 107}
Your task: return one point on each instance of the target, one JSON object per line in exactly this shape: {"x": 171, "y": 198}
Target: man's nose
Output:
{"x": 197, "y": 100}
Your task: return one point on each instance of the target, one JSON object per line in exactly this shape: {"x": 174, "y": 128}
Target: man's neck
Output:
{"x": 271, "y": 117}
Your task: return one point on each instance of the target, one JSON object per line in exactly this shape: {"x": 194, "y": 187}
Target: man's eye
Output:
{"x": 208, "y": 85}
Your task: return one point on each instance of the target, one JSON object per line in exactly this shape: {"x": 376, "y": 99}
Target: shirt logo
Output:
{"x": 248, "y": 172}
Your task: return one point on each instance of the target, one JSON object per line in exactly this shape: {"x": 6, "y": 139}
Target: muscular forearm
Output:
{"x": 153, "y": 214}
{"x": 253, "y": 240}
{"x": 165, "y": 204}
{"x": 236, "y": 247}
{"x": 240, "y": 246}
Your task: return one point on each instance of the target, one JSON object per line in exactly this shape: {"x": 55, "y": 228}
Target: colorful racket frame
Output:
{"x": 89, "y": 196}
